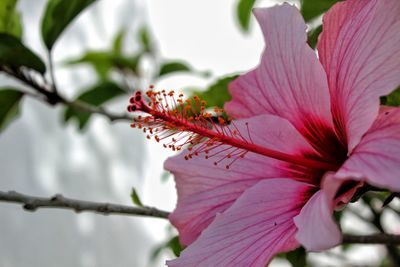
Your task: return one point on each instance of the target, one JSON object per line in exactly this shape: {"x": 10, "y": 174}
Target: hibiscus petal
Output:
{"x": 256, "y": 227}
{"x": 289, "y": 82}
{"x": 359, "y": 49}
{"x": 317, "y": 229}
{"x": 205, "y": 189}
{"x": 376, "y": 159}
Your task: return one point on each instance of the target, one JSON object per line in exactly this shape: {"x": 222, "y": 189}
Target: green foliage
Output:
{"x": 393, "y": 99}
{"x": 118, "y": 41}
{"x": 97, "y": 96}
{"x": 173, "y": 66}
{"x": 145, "y": 39}
{"x": 313, "y": 36}
{"x": 103, "y": 62}
{"x": 311, "y": 9}
{"x": 15, "y": 55}
{"x": 58, "y": 15}
{"x": 243, "y": 12}
{"x": 135, "y": 198}
{"x": 172, "y": 244}
{"x": 9, "y": 106}
{"x": 297, "y": 258}
{"x": 217, "y": 93}
{"x": 10, "y": 21}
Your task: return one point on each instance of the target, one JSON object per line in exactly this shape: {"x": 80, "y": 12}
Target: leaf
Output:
{"x": 175, "y": 246}
{"x": 311, "y": 9}
{"x": 9, "y": 106}
{"x": 10, "y": 21}
{"x": 58, "y": 15}
{"x": 118, "y": 41}
{"x": 14, "y": 54}
{"x": 313, "y": 36}
{"x": 97, "y": 96}
{"x": 217, "y": 93}
{"x": 243, "y": 12}
{"x": 393, "y": 99}
{"x": 173, "y": 66}
{"x": 135, "y": 198}
{"x": 103, "y": 62}
{"x": 145, "y": 39}
{"x": 297, "y": 257}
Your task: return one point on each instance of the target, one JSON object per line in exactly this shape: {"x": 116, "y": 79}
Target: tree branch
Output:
{"x": 32, "y": 203}
{"x": 372, "y": 239}
{"x": 52, "y": 97}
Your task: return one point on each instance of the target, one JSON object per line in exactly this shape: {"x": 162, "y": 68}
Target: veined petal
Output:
{"x": 359, "y": 49}
{"x": 376, "y": 159}
{"x": 289, "y": 82}
{"x": 205, "y": 189}
{"x": 317, "y": 229}
{"x": 256, "y": 227}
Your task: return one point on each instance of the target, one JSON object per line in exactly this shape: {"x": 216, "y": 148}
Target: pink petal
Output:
{"x": 205, "y": 190}
{"x": 376, "y": 159}
{"x": 359, "y": 49}
{"x": 256, "y": 227}
{"x": 317, "y": 229}
{"x": 289, "y": 82}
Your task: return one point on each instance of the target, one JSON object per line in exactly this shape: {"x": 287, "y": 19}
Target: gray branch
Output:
{"x": 372, "y": 239}
{"x": 32, "y": 203}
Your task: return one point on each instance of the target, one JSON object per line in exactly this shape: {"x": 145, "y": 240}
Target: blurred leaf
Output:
{"x": 9, "y": 106}
{"x": 297, "y": 257}
{"x": 217, "y": 93}
{"x": 135, "y": 198}
{"x": 118, "y": 41}
{"x": 393, "y": 99}
{"x": 243, "y": 12}
{"x": 313, "y": 36}
{"x": 14, "y": 54}
{"x": 103, "y": 62}
{"x": 10, "y": 21}
{"x": 173, "y": 66}
{"x": 145, "y": 39}
{"x": 58, "y": 14}
{"x": 175, "y": 246}
{"x": 97, "y": 96}
{"x": 311, "y": 9}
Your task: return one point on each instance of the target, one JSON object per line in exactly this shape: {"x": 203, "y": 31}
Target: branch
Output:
{"x": 52, "y": 97}
{"x": 372, "y": 239}
{"x": 32, "y": 203}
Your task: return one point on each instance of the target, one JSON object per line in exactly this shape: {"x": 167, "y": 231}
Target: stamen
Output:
{"x": 178, "y": 123}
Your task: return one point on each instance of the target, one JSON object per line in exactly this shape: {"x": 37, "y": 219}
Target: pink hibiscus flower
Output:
{"x": 309, "y": 132}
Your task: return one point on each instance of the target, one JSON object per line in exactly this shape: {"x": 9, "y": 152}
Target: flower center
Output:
{"x": 178, "y": 123}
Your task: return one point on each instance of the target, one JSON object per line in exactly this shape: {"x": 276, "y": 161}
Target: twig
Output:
{"x": 372, "y": 239}
{"x": 52, "y": 97}
{"x": 32, "y": 203}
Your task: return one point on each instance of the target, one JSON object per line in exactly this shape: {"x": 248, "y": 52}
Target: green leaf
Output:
{"x": 311, "y": 9}
{"x": 10, "y": 21}
{"x": 313, "y": 36}
{"x": 297, "y": 258}
{"x": 393, "y": 99}
{"x": 135, "y": 198}
{"x": 243, "y": 12}
{"x": 103, "y": 62}
{"x": 145, "y": 39}
{"x": 217, "y": 93}
{"x": 97, "y": 96}
{"x": 118, "y": 41}
{"x": 173, "y": 66}
{"x": 175, "y": 246}
{"x": 9, "y": 106}
{"x": 14, "y": 54}
{"x": 58, "y": 15}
